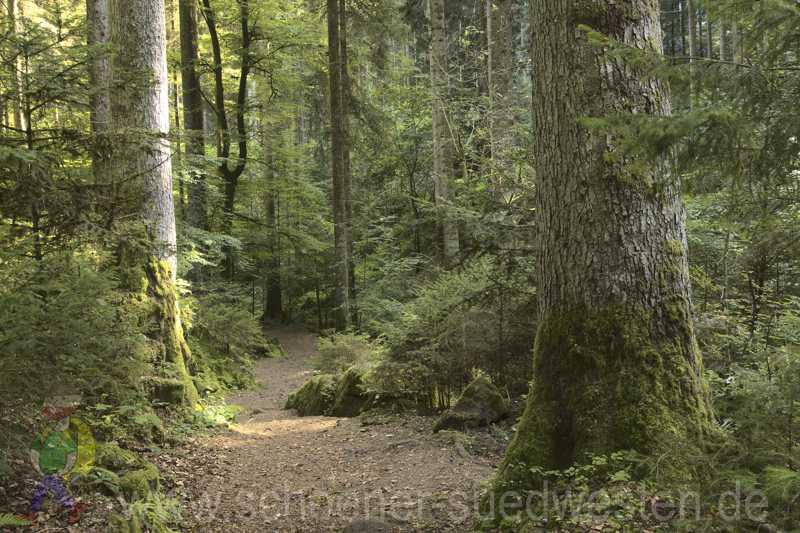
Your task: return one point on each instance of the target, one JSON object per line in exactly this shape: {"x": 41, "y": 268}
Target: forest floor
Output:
{"x": 275, "y": 471}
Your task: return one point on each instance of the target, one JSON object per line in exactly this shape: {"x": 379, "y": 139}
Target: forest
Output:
{"x": 399, "y": 266}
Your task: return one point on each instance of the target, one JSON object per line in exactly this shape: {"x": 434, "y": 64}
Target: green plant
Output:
{"x": 9, "y": 520}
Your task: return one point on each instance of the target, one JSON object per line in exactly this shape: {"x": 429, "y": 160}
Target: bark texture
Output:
{"x": 99, "y": 78}
{"x": 616, "y": 363}
{"x": 193, "y": 112}
{"x": 140, "y": 114}
{"x": 339, "y": 169}
{"x": 230, "y": 174}
{"x": 500, "y": 77}
{"x": 273, "y": 300}
{"x": 443, "y": 146}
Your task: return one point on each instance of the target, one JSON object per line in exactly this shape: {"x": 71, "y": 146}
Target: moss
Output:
{"x": 138, "y": 484}
{"x": 606, "y": 380}
{"x": 167, "y": 390}
{"x": 110, "y": 456}
{"x": 675, "y": 248}
{"x": 351, "y": 396}
{"x": 479, "y": 405}
{"x": 315, "y": 397}
{"x": 147, "y": 427}
{"x": 169, "y": 336}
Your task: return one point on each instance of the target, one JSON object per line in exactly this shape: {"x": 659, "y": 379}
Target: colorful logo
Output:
{"x": 63, "y": 451}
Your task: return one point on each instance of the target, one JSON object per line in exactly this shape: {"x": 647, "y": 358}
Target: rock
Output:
{"x": 138, "y": 484}
{"x": 316, "y": 397}
{"x": 480, "y": 404}
{"x": 110, "y": 456}
{"x": 351, "y": 396}
{"x": 368, "y": 526}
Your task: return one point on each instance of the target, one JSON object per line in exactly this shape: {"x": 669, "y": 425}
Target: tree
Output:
{"x": 230, "y": 175}
{"x": 273, "y": 301}
{"x": 339, "y": 168}
{"x": 616, "y": 363}
{"x": 140, "y": 114}
{"x": 442, "y": 133}
{"x": 193, "y": 111}
{"x": 500, "y": 70}
{"x": 100, "y": 103}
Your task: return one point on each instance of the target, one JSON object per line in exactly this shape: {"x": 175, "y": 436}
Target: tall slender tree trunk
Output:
{"x": 443, "y": 146}
{"x": 340, "y": 185}
{"x": 99, "y": 98}
{"x": 500, "y": 69}
{"x": 230, "y": 175}
{"x": 347, "y": 109}
{"x": 691, "y": 41}
{"x": 616, "y": 363}
{"x": 273, "y": 301}
{"x": 140, "y": 114}
{"x": 15, "y": 24}
{"x": 193, "y": 113}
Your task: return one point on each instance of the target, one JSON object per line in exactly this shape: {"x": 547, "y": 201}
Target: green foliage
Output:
{"x": 480, "y": 316}
{"x": 9, "y": 520}
{"x": 64, "y": 325}
{"x": 156, "y": 513}
{"x": 337, "y": 353}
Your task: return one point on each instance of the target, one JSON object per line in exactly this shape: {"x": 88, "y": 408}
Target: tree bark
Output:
{"x": 691, "y": 40}
{"x": 443, "y": 146}
{"x": 193, "y": 113}
{"x": 14, "y": 12}
{"x": 616, "y": 363}
{"x": 339, "y": 179}
{"x": 347, "y": 109}
{"x": 140, "y": 114}
{"x": 230, "y": 175}
{"x": 500, "y": 75}
{"x": 99, "y": 78}
{"x": 273, "y": 302}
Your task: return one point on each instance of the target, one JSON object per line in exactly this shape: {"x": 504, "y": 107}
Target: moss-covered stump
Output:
{"x": 138, "y": 484}
{"x": 316, "y": 397}
{"x": 480, "y": 404}
{"x": 167, "y": 390}
{"x": 351, "y": 395}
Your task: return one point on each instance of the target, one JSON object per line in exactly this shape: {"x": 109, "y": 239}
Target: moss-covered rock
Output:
{"x": 479, "y": 405}
{"x": 110, "y": 456}
{"x": 316, "y": 397}
{"x": 351, "y": 395}
{"x": 138, "y": 484}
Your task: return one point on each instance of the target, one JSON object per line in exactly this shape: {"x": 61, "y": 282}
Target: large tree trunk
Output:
{"x": 193, "y": 112}
{"x": 140, "y": 114}
{"x": 339, "y": 171}
{"x": 616, "y": 363}
{"x": 100, "y": 99}
{"x": 443, "y": 146}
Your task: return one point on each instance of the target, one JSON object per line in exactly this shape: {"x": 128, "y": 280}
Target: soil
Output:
{"x": 274, "y": 471}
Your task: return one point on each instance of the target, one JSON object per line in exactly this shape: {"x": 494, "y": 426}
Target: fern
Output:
{"x": 7, "y": 520}
{"x": 782, "y": 484}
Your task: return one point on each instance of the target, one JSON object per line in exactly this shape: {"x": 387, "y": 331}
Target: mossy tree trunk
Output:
{"x": 616, "y": 363}
{"x": 140, "y": 117}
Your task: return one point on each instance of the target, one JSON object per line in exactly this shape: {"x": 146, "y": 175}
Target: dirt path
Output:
{"x": 274, "y": 471}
